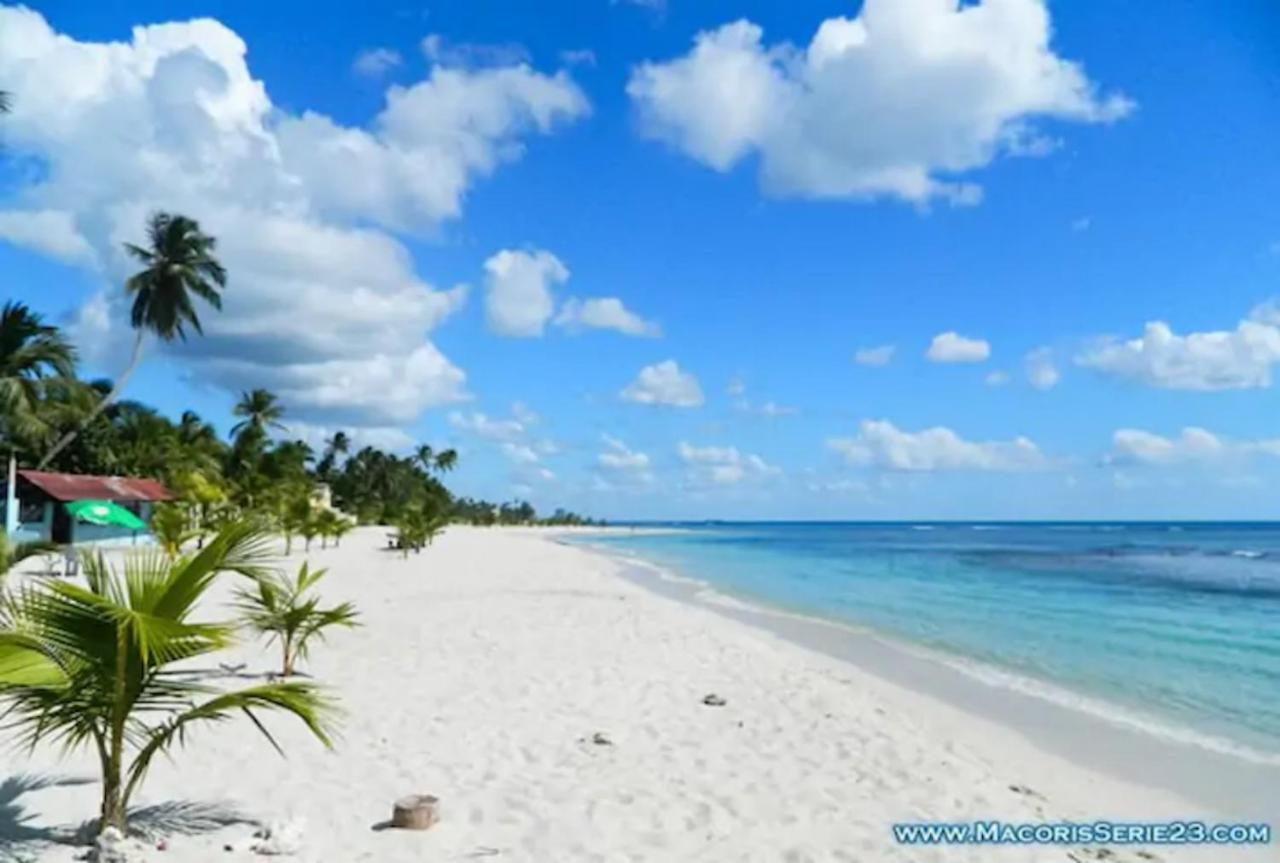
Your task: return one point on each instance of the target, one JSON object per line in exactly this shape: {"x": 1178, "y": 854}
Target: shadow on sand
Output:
{"x": 22, "y": 839}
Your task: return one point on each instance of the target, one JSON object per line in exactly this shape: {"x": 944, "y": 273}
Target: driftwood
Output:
{"x": 415, "y": 812}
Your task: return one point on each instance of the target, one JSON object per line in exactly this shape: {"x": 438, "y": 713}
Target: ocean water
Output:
{"x": 1172, "y": 628}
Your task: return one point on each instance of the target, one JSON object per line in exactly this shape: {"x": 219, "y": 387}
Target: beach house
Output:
{"x": 75, "y": 508}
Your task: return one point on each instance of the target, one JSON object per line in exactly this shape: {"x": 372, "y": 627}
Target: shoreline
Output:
{"x": 1110, "y": 743}
{"x": 557, "y": 706}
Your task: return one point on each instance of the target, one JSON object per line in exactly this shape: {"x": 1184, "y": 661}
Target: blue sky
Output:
{"x": 753, "y": 204}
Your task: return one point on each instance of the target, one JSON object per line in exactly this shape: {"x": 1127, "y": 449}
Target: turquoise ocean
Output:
{"x": 1170, "y": 627}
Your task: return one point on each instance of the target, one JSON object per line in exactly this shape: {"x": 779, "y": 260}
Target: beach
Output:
{"x": 556, "y": 706}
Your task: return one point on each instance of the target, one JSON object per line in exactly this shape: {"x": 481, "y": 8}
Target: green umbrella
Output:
{"x": 105, "y": 512}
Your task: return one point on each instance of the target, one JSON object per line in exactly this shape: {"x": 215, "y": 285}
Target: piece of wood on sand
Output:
{"x": 415, "y": 812}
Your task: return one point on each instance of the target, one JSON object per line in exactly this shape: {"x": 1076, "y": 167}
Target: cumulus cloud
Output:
{"x": 874, "y": 357}
{"x": 880, "y": 444}
{"x": 439, "y": 49}
{"x": 1042, "y": 371}
{"x": 894, "y": 103}
{"x": 619, "y": 456}
{"x": 376, "y": 62}
{"x": 519, "y": 287}
{"x": 605, "y": 313}
{"x": 1215, "y": 360}
{"x": 723, "y": 465}
{"x": 1193, "y": 445}
{"x": 489, "y": 428}
{"x": 951, "y": 347}
{"x": 664, "y": 384}
{"x": 324, "y": 304}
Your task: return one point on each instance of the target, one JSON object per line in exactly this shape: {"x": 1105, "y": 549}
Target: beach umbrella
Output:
{"x": 104, "y": 512}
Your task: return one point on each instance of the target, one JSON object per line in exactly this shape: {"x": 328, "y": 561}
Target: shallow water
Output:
{"x": 1174, "y": 627}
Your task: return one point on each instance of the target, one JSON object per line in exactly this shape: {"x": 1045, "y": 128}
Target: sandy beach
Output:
{"x": 556, "y": 709}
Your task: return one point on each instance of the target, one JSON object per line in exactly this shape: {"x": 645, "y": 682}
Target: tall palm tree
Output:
{"x": 178, "y": 265}
{"x": 447, "y": 460}
{"x": 90, "y": 666}
{"x": 260, "y": 411}
{"x": 6, "y": 101}
{"x": 31, "y": 354}
{"x": 426, "y": 456}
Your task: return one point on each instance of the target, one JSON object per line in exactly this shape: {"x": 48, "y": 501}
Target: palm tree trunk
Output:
{"x": 102, "y": 405}
{"x": 113, "y": 811}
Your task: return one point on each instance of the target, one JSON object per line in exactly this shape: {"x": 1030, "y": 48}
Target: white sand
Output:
{"x": 484, "y": 668}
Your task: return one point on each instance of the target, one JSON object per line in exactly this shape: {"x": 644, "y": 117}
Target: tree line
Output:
{"x": 53, "y": 420}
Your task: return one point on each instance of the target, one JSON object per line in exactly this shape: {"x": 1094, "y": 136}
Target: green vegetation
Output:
{"x": 92, "y": 666}
{"x": 287, "y": 611}
{"x": 50, "y": 418}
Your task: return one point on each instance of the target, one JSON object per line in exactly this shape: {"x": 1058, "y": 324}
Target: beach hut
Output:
{"x": 76, "y": 508}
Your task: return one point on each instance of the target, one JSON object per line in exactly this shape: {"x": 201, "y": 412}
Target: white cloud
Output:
{"x": 605, "y": 313}
{"x": 520, "y": 453}
{"x": 716, "y": 465}
{"x": 1042, "y": 371}
{"x": 324, "y": 304}
{"x": 376, "y": 62}
{"x": 439, "y": 49}
{"x": 1081, "y": 224}
{"x": 880, "y": 444}
{"x": 951, "y": 347}
{"x": 484, "y": 426}
{"x": 664, "y": 384}
{"x": 578, "y": 57}
{"x": 618, "y": 456}
{"x": 1217, "y": 360}
{"x": 1192, "y": 445}
{"x": 897, "y": 102}
{"x": 518, "y": 291}
{"x": 996, "y": 379}
{"x": 388, "y": 438}
{"x": 874, "y": 357}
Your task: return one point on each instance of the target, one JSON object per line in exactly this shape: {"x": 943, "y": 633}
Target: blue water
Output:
{"x": 1175, "y": 626}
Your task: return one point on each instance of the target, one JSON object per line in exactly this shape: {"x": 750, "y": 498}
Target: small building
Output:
{"x": 40, "y": 500}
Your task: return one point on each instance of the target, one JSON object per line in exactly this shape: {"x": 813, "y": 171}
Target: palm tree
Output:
{"x": 172, "y": 528}
{"x": 13, "y": 553}
{"x": 260, "y": 410}
{"x": 337, "y": 445}
{"x": 426, "y": 456}
{"x": 32, "y": 354}
{"x": 281, "y": 609}
{"x": 6, "y": 101}
{"x": 177, "y": 265}
{"x": 84, "y": 666}
{"x": 447, "y": 460}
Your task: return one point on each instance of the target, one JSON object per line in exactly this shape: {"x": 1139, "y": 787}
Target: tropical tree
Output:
{"x": 92, "y": 666}
{"x": 172, "y": 528}
{"x": 178, "y": 266}
{"x": 13, "y": 553}
{"x": 335, "y": 446}
{"x": 446, "y": 461}
{"x": 33, "y": 355}
{"x": 286, "y": 610}
{"x": 295, "y": 517}
{"x": 6, "y": 101}
{"x": 259, "y": 410}
{"x": 341, "y": 527}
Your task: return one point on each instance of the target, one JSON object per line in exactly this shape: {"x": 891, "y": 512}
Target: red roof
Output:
{"x": 72, "y": 486}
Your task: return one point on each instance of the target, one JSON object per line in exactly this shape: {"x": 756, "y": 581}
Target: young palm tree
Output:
{"x": 13, "y": 553}
{"x": 91, "y": 666}
{"x": 178, "y": 265}
{"x": 341, "y": 527}
{"x": 261, "y": 412}
{"x": 32, "y": 354}
{"x": 283, "y": 609}
{"x": 172, "y": 528}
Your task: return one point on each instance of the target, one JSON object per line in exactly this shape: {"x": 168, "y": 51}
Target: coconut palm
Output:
{"x": 285, "y": 610}
{"x": 6, "y": 101}
{"x": 91, "y": 666}
{"x": 260, "y": 412}
{"x": 32, "y": 355}
{"x": 446, "y": 461}
{"x": 178, "y": 266}
{"x": 172, "y": 528}
{"x": 13, "y": 553}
